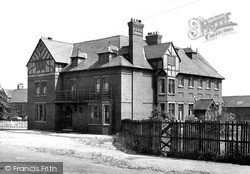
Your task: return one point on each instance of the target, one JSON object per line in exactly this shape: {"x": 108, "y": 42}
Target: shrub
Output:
{"x": 132, "y": 143}
{"x": 158, "y": 115}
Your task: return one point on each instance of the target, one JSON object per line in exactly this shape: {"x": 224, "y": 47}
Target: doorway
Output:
{"x": 68, "y": 118}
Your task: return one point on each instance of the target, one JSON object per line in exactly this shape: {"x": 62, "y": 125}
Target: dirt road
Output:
{"x": 81, "y": 153}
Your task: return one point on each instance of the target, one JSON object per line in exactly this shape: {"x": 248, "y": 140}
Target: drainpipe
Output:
{"x": 132, "y": 95}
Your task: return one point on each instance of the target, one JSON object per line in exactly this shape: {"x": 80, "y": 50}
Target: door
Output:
{"x": 68, "y": 118}
{"x": 180, "y": 112}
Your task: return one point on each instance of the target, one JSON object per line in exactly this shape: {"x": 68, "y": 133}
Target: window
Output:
{"x": 199, "y": 96}
{"x": 37, "y": 88}
{"x": 171, "y": 86}
{"x": 181, "y": 81}
{"x": 105, "y": 84}
{"x": 104, "y": 57}
{"x": 95, "y": 114}
{"x": 171, "y": 60}
{"x": 97, "y": 84}
{"x": 216, "y": 87}
{"x": 200, "y": 85}
{"x": 40, "y": 111}
{"x": 208, "y": 84}
{"x": 44, "y": 88}
{"x": 208, "y": 96}
{"x": 162, "y": 86}
{"x": 41, "y": 88}
{"x": 107, "y": 114}
{"x": 73, "y": 92}
{"x": 171, "y": 108}
{"x": 191, "y": 82}
{"x": 163, "y": 106}
{"x": 180, "y": 112}
{"x": 59, "y": 67}
{"x": 190, "y": 109}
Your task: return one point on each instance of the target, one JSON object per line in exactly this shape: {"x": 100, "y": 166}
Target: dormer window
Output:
{"x": 78, "y": 57}
{"x": 105, "y": 57}
{"x": 106, "y": 54}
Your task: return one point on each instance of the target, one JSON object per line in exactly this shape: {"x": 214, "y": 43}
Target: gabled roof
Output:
{"x": 94, "y": 47}
{"x": 60, "y": 51}
{"x": 9, "y": 92}
{"x": 19, "y": 96}
{"x": 203, "y": 104}
{"x": 236, "y": 101}
{"x": 156, "y": 51}
{"x": 196, "y": 66}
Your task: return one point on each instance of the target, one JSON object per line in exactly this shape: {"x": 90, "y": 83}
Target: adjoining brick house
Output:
{"x": 18, "y": 101}
{"x": 239, "y": 105}
{"x": 91, "y": 86}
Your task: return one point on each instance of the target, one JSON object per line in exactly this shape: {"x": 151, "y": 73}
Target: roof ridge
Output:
{"x": 100, "y": 39}
{"x": 52, "y": 40}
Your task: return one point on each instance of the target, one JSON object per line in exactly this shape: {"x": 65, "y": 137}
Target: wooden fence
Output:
{"x": 216, "y": 138}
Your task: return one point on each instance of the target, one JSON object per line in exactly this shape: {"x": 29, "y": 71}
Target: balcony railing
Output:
{"x": 69, "y": 95}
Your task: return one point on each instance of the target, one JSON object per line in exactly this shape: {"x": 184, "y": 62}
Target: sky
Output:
{"x": 24, "y": 22}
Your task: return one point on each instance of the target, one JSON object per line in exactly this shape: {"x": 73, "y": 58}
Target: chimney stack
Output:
{"x": 20, "y": 86}
{"x": 153, "y": 38}
{"x": 136, "y": 52}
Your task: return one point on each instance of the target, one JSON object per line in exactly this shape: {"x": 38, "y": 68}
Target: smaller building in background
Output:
{"x": 18, "y": 101}
{"x": 239, "y": 105}
{"x": 206, "y": 108}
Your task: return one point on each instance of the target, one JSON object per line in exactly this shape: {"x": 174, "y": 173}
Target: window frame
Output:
{"x": 190, "y": 82}
{"x": 171, "y": 109}
{"x": 44, "y": 87}
{"x": 37, "y": 88}
{"x": 192, "y": 112}
{"x": 98, "y": 111}
{"x": 181, "y": 81}
{"x": 104, "y": 83}
{"x": 97, "y": 86}
{"x": 40, "y": 111}
{"x": 171, "y": 60}
{"x": 104, "y": 114}
{"x": 208, "y": 84}
{"x": 199, "y": 83}
{"x": 181, "y": 116}
{"x": 162, "y": 86}
{"x": 171, "y": 86}
{"x": 160, "y": 105}
{"x": 216, "y": 85}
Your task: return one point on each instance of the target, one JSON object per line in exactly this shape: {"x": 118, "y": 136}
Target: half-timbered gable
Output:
{"x": 41, "y": 61}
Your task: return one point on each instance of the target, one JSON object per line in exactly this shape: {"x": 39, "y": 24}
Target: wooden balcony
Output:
{"x": 81, "y": 96}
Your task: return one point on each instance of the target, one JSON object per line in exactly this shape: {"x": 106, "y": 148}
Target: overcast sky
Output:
{"x": 24, "y": 22}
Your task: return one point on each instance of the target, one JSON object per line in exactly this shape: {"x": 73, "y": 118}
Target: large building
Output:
{"x": 238, "y": 105}
{"x": 91, "y": 86}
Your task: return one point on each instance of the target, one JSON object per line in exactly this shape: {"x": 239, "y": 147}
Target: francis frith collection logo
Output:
{"x": 212, "y": 27}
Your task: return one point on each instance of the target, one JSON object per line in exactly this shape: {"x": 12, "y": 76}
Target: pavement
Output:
{"x": 97, "y": 152}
